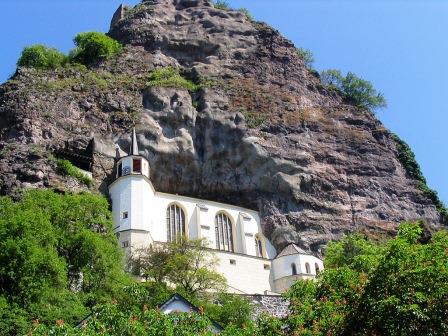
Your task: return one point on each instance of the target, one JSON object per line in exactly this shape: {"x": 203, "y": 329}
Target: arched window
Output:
{"x": 294, "y": 269}
{"x": 175, "y": 222}
{"x": 223, "y": 232}
{"x": 308, "y": 268}
{"x": 258, "y": 247}
{"x": 316, "y": 266}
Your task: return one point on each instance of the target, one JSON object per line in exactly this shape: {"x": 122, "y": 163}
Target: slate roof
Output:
{"x": 216, "y": 328}
{"x": 291, "y": 249}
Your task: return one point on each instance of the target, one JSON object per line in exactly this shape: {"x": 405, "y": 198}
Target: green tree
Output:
{"x": 231, "y": 309}
{"x": 94, "y": 47}
{"x": 307, "y": 57}
{"x": 186, "y": 264}
{"x": 58, "y": 258}
{"x": 41, "y": 57}
{"x": 354, "y": 88}
{"x": 398, "y": 287}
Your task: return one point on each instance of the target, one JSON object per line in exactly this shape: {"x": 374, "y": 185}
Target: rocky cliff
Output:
{"x": 261, "y": 132}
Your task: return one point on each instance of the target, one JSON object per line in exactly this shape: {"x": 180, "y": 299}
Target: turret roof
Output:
{"x": 291, "y": 249}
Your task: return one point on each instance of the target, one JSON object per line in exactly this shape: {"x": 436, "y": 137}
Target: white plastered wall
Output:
{"x": 281, "y": 267}
{"x": 245, "y": 274}
{"x": 132, "y": 194}
{"x": 200, "y": 220}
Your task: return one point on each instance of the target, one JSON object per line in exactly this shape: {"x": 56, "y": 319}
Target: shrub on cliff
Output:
{"x": 65, "y": 167}
{"x": 94, "y": 47}
{"x": 40, "y": 56}
{"x": 171, "y": 77}
{"x": 410, "y": 164}
{"x": 307, "y": 57}
{"x": 354, "y": 88}
{"x": 221, "y": 4}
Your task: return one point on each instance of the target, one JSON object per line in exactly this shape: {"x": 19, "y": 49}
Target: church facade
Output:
{"x": 143, "y": 216}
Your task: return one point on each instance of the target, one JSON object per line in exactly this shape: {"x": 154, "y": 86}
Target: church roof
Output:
{"x": 291, "y": 249}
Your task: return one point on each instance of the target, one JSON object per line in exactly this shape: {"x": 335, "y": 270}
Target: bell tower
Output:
{"x": 132, "y": 194}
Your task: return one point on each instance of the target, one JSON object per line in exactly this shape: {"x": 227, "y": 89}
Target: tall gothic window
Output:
{"x": 223, "y": 232}
{"x": 258, "y": 247}
{"x": 175, "y": 222}
{"x": 317, "y": 268}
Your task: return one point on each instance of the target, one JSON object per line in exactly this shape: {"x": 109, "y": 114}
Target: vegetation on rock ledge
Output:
{"x": 171, "y": 77}
{"x": 407, "y": 159}
{"x": 65, "y": 167}
{"x": 91, "y": 48}
{"x": 354, "y": 88}
{"x": 41, "y": 57}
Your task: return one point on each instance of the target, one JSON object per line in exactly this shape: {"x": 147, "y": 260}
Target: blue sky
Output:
{"x": 399, "y": 45}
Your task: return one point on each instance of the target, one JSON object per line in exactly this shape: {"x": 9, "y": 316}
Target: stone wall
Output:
{"x": 274, "y": 305}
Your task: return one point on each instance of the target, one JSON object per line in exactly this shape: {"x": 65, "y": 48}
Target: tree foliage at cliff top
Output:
{"x": 47, "y": 240}
{"x": 93, "y": 47}
{"x": 354, "y": 88}
{"x": 398, "y": 287}
{"x": 41, "y": 57}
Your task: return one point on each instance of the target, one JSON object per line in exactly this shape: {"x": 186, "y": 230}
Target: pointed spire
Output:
{"x": 134, "y": 146}
{"x": 117, "y": 152}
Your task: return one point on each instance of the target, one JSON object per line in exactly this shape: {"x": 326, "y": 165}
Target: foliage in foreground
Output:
{"x": 58, "y": 258}
{"x": 133, "y": 316}
{"x": 409, "y": 162}
{"x": 41, "y": 57}
{"x": 399, "y": 287}
{"x": 65, "y": 167}
{"x": 354, "y": 88}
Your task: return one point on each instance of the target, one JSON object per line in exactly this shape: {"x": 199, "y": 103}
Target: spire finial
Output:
{"x": 134, "y": 146}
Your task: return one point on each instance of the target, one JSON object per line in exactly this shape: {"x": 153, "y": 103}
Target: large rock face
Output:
{"x": 263, "y": 133}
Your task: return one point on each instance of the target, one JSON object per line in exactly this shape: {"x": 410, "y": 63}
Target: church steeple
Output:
{"x": 134, "y": 146}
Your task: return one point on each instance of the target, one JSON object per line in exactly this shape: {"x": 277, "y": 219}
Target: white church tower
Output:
{"x": 131, "y": 193}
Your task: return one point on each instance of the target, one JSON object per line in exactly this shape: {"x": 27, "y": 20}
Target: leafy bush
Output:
{"x": 402, "y": 292}
{"x": 58, "y": 257}
{"x": 407, "y": 158}
{"x": 231, "y": 309}
{"x": 41, "y": 57}
{"x": 354, "y": 88}
{"x": 307, "y": 56}
{"x": 171, "y": 77}
{"x": 65, "y": 167}
{"x": 94, "y": 47}
{"x": 221, "y": 4}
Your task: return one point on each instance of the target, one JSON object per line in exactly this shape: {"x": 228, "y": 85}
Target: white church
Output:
{"x": 143, "y": 216}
